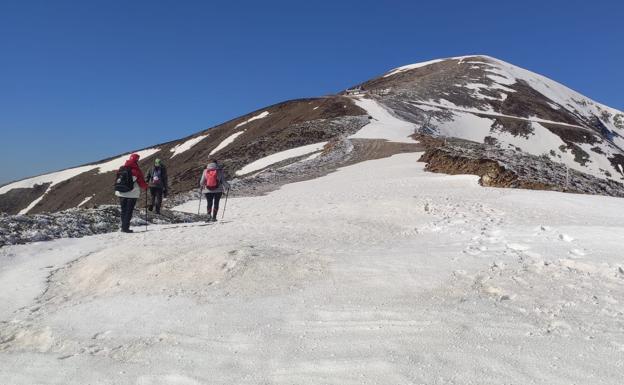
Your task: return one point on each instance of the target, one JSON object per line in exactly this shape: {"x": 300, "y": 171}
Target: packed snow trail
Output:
{"x": 378, "y": 273}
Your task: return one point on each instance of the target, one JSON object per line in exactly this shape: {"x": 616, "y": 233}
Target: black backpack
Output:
{"x": 123, "y": 180}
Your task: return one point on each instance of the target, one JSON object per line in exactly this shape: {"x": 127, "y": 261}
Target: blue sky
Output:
{"x": 84, "y": 80}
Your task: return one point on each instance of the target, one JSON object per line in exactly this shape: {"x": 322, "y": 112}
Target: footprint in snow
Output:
{"x": 577, "y": 253}
{"x": 565, "y": 238}
{"x": 472, "y": 250}
{"x": 518, "y": 247}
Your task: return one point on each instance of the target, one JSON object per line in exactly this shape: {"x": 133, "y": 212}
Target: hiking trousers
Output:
{"x": 212, "y": 203}
{"x": 157, "y": 197}
{"x": 127, "y": 208}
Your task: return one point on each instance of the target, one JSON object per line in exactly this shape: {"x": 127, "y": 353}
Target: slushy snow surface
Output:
{"x": 418, "y": 279}
{"x": 280, "y": 156}
{"x": 383, "y": 124}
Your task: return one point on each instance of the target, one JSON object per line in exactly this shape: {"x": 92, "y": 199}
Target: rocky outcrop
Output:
{"x": 511, "y": 169}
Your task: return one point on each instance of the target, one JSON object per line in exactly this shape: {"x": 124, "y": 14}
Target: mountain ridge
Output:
{"x": 476, "y": 98}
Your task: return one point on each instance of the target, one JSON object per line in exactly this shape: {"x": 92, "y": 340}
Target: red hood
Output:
{"x": 133, "y": 161}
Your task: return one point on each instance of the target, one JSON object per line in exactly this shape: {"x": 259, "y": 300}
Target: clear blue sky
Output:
{"x": 83, "y": 80}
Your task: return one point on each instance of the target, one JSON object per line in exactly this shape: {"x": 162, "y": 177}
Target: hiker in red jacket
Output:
{"x": 213, "y": 184}
{"x": 127, "y": 200}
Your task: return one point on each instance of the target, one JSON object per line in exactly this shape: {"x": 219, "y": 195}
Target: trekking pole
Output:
{"x": 199, "y": 207}
{"x": 227, "y": 192}
{"x": 145, "y": 210}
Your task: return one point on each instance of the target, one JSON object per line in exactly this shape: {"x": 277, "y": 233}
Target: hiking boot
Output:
{"x": 214, "y": 218}
{"x": 127, "y": 231}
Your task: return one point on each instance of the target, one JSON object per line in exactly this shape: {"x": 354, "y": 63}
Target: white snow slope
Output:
{"x": 280, "y": 156}
{"x": 383, "y": 124}
{"x": 466, "y": 124}
{"x": 420, "y": 279}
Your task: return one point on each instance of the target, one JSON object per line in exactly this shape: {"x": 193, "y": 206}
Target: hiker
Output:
{"x": 157, "y": 181}
{"x": 213, "y": 184}
{"x": 129, "y": 183}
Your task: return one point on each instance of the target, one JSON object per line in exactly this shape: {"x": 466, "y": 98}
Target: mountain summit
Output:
{"x": 486, "y": 100}
{"x": 472, "y": 114}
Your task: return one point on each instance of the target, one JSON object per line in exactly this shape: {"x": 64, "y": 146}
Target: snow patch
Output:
{"x": 33, "y": 203}
{"x": 61, "y": 176}
{"x": 280, "y": 156}
{"x": 464, "y": 125}
{"x": 114, "y": 164}
{"x": 180, "y": 148}
{"x": 411, "y": 67}
{"x": 261, "y": 115}
{"x": 53, "y": 178}
{"x": 226, "y": 142}
{"x": 383, "y": 124}
{"x": 87, "y": 199}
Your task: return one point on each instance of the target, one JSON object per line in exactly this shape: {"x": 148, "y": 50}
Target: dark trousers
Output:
{"x": 212, "y": 202}
{"x": 127, "y": 207}
{"x": 157, "y": 196}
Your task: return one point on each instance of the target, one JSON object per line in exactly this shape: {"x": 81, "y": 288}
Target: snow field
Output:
{"x": 383, "y": 125}
{"x": 466, "y": 125}
{"x": 280, "y": 156}
{"x": 505, "y": 74}
{"x": 419, "y": 278}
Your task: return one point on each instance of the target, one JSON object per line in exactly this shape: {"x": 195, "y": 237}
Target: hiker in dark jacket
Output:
{"x": 127, "y": 200}
{"x": 213, "y": 184}
{"x": 158, "y": 185}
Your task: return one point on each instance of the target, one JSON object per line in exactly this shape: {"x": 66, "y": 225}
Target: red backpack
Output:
{"x": 212, "y": 179}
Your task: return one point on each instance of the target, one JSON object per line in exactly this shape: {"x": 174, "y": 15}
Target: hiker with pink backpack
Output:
{"x": 213, "y": 184}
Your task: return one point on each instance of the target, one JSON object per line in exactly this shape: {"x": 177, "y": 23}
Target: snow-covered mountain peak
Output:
{"x": 487, "y": 100}
{"x": 477, "y": 98}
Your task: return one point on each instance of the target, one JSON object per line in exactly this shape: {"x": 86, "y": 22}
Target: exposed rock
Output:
{"x": 76, "y": 223}
{"x": 513, "y": 169}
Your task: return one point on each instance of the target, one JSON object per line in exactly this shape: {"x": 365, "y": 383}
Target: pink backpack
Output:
{"x": 212, "y": 179}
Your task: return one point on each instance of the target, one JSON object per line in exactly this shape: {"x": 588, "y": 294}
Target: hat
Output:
{"x": 157, "y": 162}
{"x": 134, "y": 157}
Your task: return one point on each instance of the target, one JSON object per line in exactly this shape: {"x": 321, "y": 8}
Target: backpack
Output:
{"x": 212, "y": 179}
{"x": 123, "y": 180}
{"x": 156, "y": 176}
